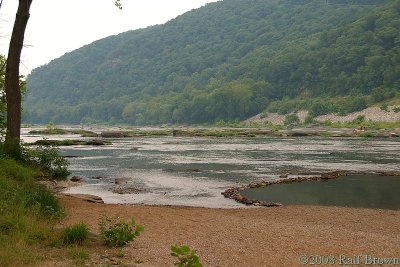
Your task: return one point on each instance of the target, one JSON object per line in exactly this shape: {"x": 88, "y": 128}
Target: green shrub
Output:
{"x": 220, "y": 123}
{"x": 320, "y": 108}
{"x": 76, "y": 234}
{"x": 264, "y": 115}
{"x": 354, "y": 104}
{"x": 396, "y": 109}
{"x": 283, "y": 106}
{"x": 359, "y": 119}
{"x": 384, "y": 107}
{"x": 50, "y": 126}
{"x": 48, "y": 159}
{"x": 120, "y": 253}
{"x": 117, "y": 233}
{"x": 291, "y": 119}
{"x": 309, "y": 120}
{"x": 186, "y": 257}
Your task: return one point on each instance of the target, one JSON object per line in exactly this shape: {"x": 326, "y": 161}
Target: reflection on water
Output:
{"x": 366, "y": 191}
{"x": 194, "y": 171}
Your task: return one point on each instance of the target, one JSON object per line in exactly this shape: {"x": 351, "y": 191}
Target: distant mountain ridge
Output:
{"x": 227, "y": 60}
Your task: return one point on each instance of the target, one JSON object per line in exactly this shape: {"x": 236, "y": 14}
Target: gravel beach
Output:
{"x": 279, "y": 236}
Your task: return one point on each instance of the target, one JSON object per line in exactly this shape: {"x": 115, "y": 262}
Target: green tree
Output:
{"x": 12, "y": 85}
{"x": 232, "y": 101}
{"x": 320, "y": 108}
{"x": 3, "y": 102}
{"x": 2, "y": 98}
{"x": 12, "y": 79}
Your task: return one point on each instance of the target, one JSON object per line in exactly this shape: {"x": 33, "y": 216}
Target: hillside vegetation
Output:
{"x": 228, "y": 60}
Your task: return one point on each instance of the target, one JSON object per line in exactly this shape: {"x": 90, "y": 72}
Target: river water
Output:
{"x": 193, "y": 171}
{"x": 362, "y": 191}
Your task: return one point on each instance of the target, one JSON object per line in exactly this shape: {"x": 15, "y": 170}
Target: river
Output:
{"x": 193, "y": 171}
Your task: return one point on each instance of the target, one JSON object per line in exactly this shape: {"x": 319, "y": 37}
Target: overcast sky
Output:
{"x": 59, "y": 26}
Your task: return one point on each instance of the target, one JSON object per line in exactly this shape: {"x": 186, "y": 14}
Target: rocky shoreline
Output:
{"x": 69, "y": 142}
{"x": 57, "y": 187}
{"x": 234, "y": 192}
{"x": 103, "y": 138}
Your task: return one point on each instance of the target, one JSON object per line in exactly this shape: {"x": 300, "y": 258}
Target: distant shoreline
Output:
{"x": 371, "y": 114}
{"x": 131, "y": 132}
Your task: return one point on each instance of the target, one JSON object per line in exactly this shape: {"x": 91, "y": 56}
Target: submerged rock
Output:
{"x": 121, "y": 180}
{"x": 270, "y": 204}
{"x": 96, "y": 142}
{"x": 87, "y": 197}
{"x": 68, "y": 142}
{"x": 114, "y": 134}
{"x": 181, "y": 170}
{"x": 127, "y": 190}
{"x": 94, "y": 199}
{"x": 77, "y": 179}
{"x": 72, "y": 156}
{"x": 100, "y": 177}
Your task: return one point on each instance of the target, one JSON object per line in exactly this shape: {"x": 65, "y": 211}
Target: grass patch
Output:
{"x": 368, "y": 134}
{"x": 367, "y": 124}
{"x": 76, "y": 234}
{"x": 14, "y": 251}
{"x": 27, "y": 215}
{"x": 79, "y": 255}
{"x": 120, "y": 253}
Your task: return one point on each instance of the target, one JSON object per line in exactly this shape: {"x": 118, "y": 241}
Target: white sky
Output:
{"x": 59, "y": 26}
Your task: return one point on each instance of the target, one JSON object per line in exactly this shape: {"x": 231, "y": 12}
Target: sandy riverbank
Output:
{"x": 244, "y": 237}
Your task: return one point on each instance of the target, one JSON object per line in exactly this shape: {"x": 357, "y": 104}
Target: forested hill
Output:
{"x": 228, "y": 60}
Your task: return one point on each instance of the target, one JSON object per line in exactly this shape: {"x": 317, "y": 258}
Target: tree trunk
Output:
{"x": 12, "y": 87}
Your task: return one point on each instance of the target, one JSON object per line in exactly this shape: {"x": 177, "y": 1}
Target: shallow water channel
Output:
{"x": 364, "y": 191}
{"x": 194, "y": 171}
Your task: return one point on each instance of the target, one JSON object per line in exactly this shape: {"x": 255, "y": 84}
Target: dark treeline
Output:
{"x": 228, "y": 60}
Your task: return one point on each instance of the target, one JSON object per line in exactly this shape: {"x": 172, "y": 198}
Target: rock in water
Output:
{"x": 114, "y": 134}
{"x": 76, "y": 179}
{"x": 121, "y": 180}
